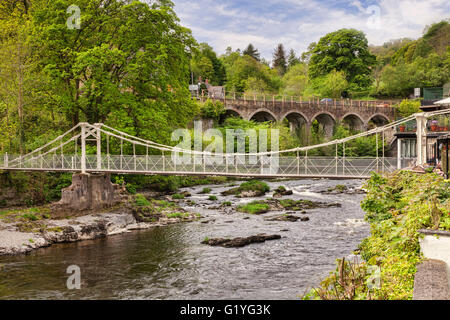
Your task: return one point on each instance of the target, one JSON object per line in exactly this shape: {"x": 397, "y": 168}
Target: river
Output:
{"x": 171, "y": 263}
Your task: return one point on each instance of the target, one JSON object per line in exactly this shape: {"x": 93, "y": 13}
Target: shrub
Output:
{"x": 397, "y": 206}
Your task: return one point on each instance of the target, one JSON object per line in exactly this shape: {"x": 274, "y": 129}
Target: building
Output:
{"x": 435, "y": 129}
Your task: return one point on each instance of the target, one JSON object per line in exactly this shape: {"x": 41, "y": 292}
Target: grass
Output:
{"x": 28, "y": 214}
{"x": 254, "y": 185}
{"x": 179, "y": 215}
{"x": 206, "y": 191}
{"x": 212, "y": 198}
{"x": 227, "y": 204}
{"x": 178, "y": 196}
{"x": 141, "y": 201}
{"x": 255, "y": 207}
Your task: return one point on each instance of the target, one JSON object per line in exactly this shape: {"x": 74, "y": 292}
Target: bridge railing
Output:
{"x": 267, "y": 98}
{"x": 229, "y": 165}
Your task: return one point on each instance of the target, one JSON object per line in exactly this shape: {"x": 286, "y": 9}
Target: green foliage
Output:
{"x": 35, "y": 188}
{"x": 295, "y": 80}
{"x": 141, "y": 201}
{"x": 207, "y": 65}
{"x": 254, "y": 185}
{"x": 213, "y": 110}
{"x": 408, "y": 107}
{"x": 286, "y": 139}
{"x": 397, "y": 207}
{"x": 177, "y": 215}
{"x": 252, "y": 52}
{"x": 127, "y": 66}
{"x": 255, "y": 207}
{"x": 331, "y": 85}
{"x": 345, "y": 50}
{"x": 206, "y": 191}
{"x": 245, "y": 74}
{"x": 212, "y": 198}
{"x": 280, "y": 62}
{"x": 178, "y": 196}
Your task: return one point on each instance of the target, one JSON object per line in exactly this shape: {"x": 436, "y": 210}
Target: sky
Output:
{"x": 297, "y": 23}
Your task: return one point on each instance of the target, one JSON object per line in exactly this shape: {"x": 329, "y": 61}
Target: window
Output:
{"x": 409, "y": 148}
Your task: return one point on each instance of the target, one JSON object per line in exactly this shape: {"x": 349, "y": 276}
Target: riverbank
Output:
{"x": 397, "y": 206}
{"x": 23, "y": 230}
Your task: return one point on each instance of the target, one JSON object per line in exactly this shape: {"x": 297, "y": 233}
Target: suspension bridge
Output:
{"x": 98, "y": 148}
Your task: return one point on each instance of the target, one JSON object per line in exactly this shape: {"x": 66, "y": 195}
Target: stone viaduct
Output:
{"x": 360, "y": 115}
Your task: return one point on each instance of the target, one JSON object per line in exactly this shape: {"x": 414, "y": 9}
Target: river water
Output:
{"x": 171, "y": 263}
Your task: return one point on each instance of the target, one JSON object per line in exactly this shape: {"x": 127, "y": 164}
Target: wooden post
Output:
{"x": 6, "y": 160}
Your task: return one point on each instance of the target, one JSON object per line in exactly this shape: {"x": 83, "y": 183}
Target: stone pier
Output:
{"x": 90, "y": 192}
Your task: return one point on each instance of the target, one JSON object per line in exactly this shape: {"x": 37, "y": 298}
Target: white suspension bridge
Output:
{"x": 98, "y": 148}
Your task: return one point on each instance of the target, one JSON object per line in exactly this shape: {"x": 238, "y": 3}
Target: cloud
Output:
{"x": 297, "y": 23}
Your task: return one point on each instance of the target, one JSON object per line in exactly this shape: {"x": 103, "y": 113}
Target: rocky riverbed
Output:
{"x": 306, "y": 227}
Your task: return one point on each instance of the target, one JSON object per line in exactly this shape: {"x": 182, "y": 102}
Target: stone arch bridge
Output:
{"x": 359, "y": 115}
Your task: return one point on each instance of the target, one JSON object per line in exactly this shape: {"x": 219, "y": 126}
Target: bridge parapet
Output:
{"x": 309, "y": 109}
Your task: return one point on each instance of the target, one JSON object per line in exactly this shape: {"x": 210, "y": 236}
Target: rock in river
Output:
{"x": 240, "y": 242}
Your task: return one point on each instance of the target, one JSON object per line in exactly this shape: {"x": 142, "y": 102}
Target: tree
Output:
{"x": 245, "y": 73}
{"x": 345, "y": 50}
{"x": 292, "y": 59}
{"x": 207, "y": 65}
{"x": 201, "y": 66}
{"x": 332, "y": 85}
{"x": 127, "y": 66}
{"x": 295, "y": 80}
{"x": 17, "y": 73}
{"x": 279, "y": 60}
{"x": 306, "y": 56}
{"x": 252, "y": 52}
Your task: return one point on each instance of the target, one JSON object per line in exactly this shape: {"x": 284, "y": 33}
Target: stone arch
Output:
{"x": 297, "y": 120}
{"x": 230, "y": 113}
{"x": 353, "y": 121}
{"x": 377, "y": 120}
{"x": 327, "y": 122}
{"x": 263, "y": 115}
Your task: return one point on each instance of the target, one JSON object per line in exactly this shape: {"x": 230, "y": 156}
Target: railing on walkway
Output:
{"x": 267, "y": 98}
{"x": 69, "y": 153}
{"x": 208, "y": 165}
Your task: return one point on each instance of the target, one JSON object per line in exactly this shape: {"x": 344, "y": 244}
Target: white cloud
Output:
{"x": 297, "y": 23}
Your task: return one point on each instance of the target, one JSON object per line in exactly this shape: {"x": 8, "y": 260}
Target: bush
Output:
{"x": 408, "y": 107}
{"x": 213, "y": 110}
{"x": 397, "y": 207}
